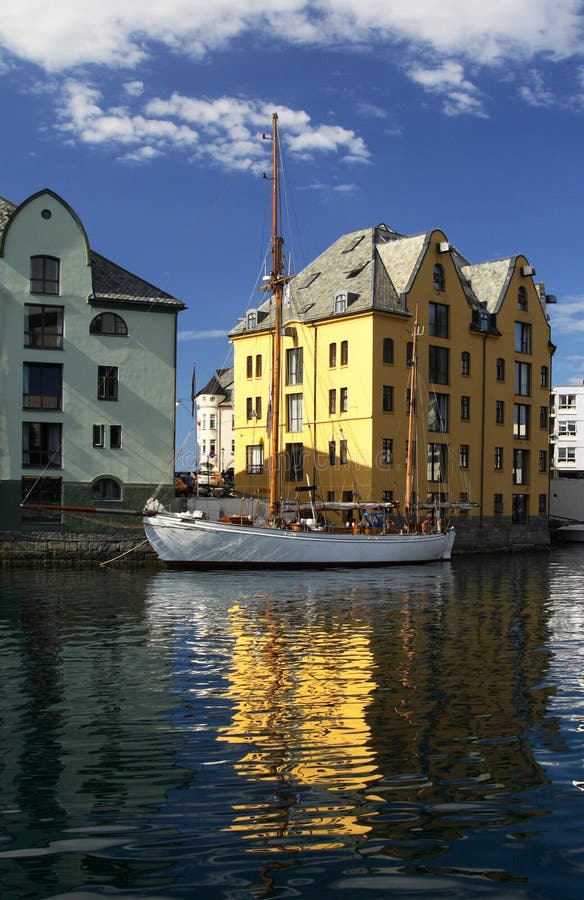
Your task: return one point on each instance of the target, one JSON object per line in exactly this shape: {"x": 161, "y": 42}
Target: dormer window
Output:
{"x": 308, "y": 281}
{"x": 252, "y": 319}
{"x": 438, "y": 279}
{"x": 109, "y": 323}
{"x": 340, "y": 305}
{"x": 44, "y": 275}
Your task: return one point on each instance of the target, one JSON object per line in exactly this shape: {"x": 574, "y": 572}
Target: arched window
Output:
{"x": 252, "y": 319}
{"x": 44, "y": 275}
{"x": 106, "y": 489}
{"x": 109, "y": 323}
{"x": 387, "y": 350}
{"x": 439, "y": 280}
{"x": 522, "y": 299}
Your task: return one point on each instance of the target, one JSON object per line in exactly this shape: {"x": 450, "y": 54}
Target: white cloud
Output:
{"x": 201, "y": 335}
{"x": 57, "y": 36}
{"x": 226, "y": 131}
{"x": 459, "y": 96}
{"x": 535, "y": 93}
{"x": 134, "y": 88}
{"x": 567, "y": 316}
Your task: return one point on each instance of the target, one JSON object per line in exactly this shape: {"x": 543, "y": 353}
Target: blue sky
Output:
{"x": 461, "y": 115}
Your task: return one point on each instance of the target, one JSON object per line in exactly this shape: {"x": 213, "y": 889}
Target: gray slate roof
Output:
{"x": 112, "y": 283}
{"x": 220, "y": 383}
{"x": 376, "y": 267}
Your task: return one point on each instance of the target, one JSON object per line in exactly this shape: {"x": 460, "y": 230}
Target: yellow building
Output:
{"x": 483, "y": 383}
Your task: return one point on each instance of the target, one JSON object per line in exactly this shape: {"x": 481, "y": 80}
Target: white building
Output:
{"x": 87, "y": 371}
{"x": 567, "y": 483}
{"x": 215, "y": 422}
{"x": 568, "y": 430}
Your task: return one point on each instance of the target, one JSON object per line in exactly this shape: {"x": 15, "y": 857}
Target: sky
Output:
{"x": 147, "y": 119}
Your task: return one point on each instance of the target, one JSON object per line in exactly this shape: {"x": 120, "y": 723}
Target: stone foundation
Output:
{"x": 82, "y": 549}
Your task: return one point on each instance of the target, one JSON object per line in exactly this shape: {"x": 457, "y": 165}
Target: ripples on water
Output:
{"x": 333, "y": 734}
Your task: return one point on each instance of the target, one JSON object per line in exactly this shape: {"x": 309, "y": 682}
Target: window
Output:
{"x": 249, "y": 410}
{"x": 438, "y": 365}
{"x": 254, "y": 459}
{"x": 344, "y": 353}
{"x": 543, "y": 417}
{"x": 99, "y": 435}
{"x": 387, "y": 451}
{"x": 107, "y": 383}
{"x": 41, "y": 444}
{"x": 464, "y": 456}
{"x": 41, "y": 490}
{"x": 498, "y": 458}
{"x": 44, "y": 275}
{"x": 544, "y": 377}
{"x": 522, "y": 337}
{"x": 438, "y": 282}
{"x": 353, "y": 244}
{"x": 566, "y": 454}
{"x": 438, "y": 412}
{"x": 213, "y": 420}
{"x": 258, "y": 411}
{"x": 330, "y": 496}
{"x": 499, "y": 412}
{"x": 567, "y": 427}
{"x": 387, "y": 496}
{"x": 523, "y": 379}
{"x": 520, "y": 467}
{"x": 212, "y": 448}
{"x": 340, "y": 304}
{"x": 500, "y": 369}
{"x": 387, "y": 351}
{"x": 332, "y": 355}
{"x": 308, "y": 280}
{"x": 567, "y": 401}
{"x": 109, "y": 323}
{"x": 332, "y": 453}
{"x": 387, "y": 398}
{"x": 43, "y": 386}
{"x": 542, "y": 504}
{"x": 258, "y": 365}
{"x": 249, "y": 367}
{"x": 295, "y": 412}
{"x": 410, "y": 353}
{"x": 498, "y": 504}
{"x": 521, "y": 421}
{"x": 522, "y": 299}
{"x": 43, "y": 326}
{"x": 465, "y": 363}
{"x": 437, "y": 462}
{"x": 116, "y": 437}
{"x": 295, "y": 457}
{"x": 542, "y": 461}
{"x": 343, "y": 453}
{"x": 465, "y": 408}
{"x": 519, "y": 514}
{"x": 106, "y": 489}
{"x": 344, "y": 396}
{"x": 438, "y": 313}
{"x": 251, "y": 320}
{"x": 294, "y": 362}
{"x": 332, "y": 402}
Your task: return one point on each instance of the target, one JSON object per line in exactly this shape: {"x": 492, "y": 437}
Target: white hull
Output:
{"x": 195, "y": 543}
{"x": 572, "y": 533}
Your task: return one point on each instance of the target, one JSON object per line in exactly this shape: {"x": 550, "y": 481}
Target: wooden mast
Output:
{"x": 418, "y": 330}
{"x": 276, "y": 281}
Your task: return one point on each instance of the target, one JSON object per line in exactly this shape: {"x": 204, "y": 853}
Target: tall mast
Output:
{"x": 276, "y": 287}
{"x": 418, "y": 331}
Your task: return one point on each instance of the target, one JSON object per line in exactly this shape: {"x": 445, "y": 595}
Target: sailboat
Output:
{"x": 191, "y": 540}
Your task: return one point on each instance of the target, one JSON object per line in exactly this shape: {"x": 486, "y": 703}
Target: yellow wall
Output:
{"x": 365, "y": 424}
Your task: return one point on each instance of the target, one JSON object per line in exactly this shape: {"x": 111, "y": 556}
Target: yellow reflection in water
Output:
{"x": 300, "y": 698}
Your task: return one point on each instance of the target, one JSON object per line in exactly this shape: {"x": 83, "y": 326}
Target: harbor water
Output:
{"x": 416, "y": 732}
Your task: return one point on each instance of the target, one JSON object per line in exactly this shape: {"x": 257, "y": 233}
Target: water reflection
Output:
{"x": 393, "y": 709}
{"x": 237, "y": 735}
